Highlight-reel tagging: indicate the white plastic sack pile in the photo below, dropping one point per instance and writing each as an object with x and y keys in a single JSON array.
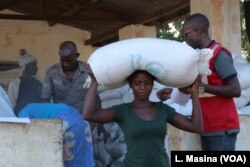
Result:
[
  {"x": 244, "y": 98},
  {"x": 243, "y": 75},
  {"x": 242, "y": 67},
  {"x": 174, "y": 64},
  {"x": 5, "y": 105}
]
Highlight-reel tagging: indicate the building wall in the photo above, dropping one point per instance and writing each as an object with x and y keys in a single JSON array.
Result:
[
  {"x": 39, "y": 39},
  {"x": 38, "y": 143},
  {"x": 224, "y": 17},
  {"x": 181, "y": 140},
  {"x": 137, "y": 31}
]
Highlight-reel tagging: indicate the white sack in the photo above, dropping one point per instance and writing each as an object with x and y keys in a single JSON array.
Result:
[
  {"x": 243, "y": 75},
  {"x": 244, "y": 110},
  {"x": 114, "y": 93},
  {"x": 110, "y": 95},
  {"x": 238, "y": 59},
  {"x": 101, "y": 154},
  {"x": 244, "y": 98},
  {"x": 128, "y": 97},
  {"x": 174, "y": 64},
  {"x": 110, "y": 103},
  {"x": 187, "y": 109},
  {"x": 184, "y": 110},
  {"x": 5, "y": 105}
]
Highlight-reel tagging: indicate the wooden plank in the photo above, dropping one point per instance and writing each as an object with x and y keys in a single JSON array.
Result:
[
  {"x": 143, "y": 20},
  {"x": 59, "y": 18},
  {"x": 103, "y": 36},
  {"x": 71, "y": 11},
  {"x": 43, "y": 8},
  {"x": 38, "y": 143},
  {"x": 8, "y": 4},
  {"x": 8, "y": 65}
]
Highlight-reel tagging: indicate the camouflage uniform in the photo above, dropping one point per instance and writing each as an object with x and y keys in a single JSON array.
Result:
[{"x": 57, "y": 85}]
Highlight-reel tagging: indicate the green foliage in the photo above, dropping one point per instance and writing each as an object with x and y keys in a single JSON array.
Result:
[
  {"x": 245, "y": 42},
  {"x": 173, "y": 31}
]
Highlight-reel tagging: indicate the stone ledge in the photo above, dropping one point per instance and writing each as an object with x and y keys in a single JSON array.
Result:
[{"x": 27, "y": 145}]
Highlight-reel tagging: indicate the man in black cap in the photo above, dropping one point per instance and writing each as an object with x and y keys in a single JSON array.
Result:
[{"x": 26, "y": 88}]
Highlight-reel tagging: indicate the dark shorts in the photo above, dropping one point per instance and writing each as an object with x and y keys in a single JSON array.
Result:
[{"x": 223, "y": 142}]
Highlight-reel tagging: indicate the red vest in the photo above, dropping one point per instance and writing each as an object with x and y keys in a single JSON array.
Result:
[{"x": 219, "y": 113}]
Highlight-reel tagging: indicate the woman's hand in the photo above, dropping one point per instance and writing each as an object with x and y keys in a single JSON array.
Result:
[
  {"x": 193, "y": 124},
  {"x": 193, "y": 88},
  {"x": 164, "y": 94}
]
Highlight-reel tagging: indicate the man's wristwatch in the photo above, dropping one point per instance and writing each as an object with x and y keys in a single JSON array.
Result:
[{"x": 201, "y": 89}]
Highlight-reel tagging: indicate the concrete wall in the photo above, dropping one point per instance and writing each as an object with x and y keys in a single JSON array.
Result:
[
  {"x": 137, "y": 31},
  {"x": 38, "y": 144},
  {"x": 224, "y": 17},
  {"x": 181, "y": 140},
  {"x": 39, "y": 39}
]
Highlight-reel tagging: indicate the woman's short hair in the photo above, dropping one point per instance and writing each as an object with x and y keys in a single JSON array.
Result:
[{"x": 135, "y": 73}]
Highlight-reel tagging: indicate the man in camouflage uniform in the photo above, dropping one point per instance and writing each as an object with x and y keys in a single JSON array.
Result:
[{"x": 65, "y": 82}]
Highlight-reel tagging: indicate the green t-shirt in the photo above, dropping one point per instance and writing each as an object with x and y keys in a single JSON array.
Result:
[{"x": 145, "y": 139}]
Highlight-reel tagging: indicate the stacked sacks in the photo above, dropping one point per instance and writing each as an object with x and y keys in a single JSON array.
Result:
[
  {"x": 244, "y": 99},
  {"x": 5, "y": 105},
  {"x": 110, "y": 147},
  {"x": 167, "y": 60},
  {"x": 243, "y": 68}
]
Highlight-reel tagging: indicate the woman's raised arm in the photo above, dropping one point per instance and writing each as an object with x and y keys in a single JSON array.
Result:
[
  {"x": 90, "y": 110},
  {"x": 193, "y": 124}
]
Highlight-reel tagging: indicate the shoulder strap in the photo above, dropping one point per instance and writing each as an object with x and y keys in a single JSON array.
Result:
[{"x": 217, "y": 47}]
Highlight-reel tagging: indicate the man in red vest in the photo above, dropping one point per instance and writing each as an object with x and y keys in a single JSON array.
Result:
[{"x": 220, "y": 118}]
